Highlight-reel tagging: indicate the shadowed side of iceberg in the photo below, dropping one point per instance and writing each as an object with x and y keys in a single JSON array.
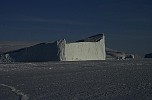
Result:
[{"x": 37, "y": 53}]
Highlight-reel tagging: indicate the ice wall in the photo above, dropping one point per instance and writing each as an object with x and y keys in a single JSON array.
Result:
[
  {"x": 37, "y": 53},
  {"x": 85, "y": 51}
]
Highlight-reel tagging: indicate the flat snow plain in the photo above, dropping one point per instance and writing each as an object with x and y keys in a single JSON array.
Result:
[{"x": 87, "y": 80}]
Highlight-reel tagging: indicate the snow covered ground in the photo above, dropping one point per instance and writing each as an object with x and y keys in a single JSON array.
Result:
[{"x": 89, "y": 80}]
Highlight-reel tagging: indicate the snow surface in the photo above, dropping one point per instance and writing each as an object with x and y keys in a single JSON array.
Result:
[
  {"x": 89, "y": 80},
  {"x": 21, "y": 95}
]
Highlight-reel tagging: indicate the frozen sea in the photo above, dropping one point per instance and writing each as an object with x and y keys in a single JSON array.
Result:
[{"x": 84, "y": 80}]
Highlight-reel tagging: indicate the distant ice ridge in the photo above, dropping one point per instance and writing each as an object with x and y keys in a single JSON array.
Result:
[
  {"x": 119, "y": 55},
  {"x": 91, "y": 48},
  {"x": 148, "y": 55}
]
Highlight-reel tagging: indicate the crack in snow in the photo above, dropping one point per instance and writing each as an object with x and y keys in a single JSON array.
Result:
[{"x": 21, "y": 95}]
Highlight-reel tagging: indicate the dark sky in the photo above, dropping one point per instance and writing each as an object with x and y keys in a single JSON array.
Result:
[{"x": 127, "y": 24}]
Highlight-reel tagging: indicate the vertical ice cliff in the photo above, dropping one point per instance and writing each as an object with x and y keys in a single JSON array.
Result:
[
  {"x": 61, "y": 49},
  {"x": 85, "y": 51}
]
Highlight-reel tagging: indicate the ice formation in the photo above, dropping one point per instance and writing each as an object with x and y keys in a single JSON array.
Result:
[{"x": 91, "y": 48}]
